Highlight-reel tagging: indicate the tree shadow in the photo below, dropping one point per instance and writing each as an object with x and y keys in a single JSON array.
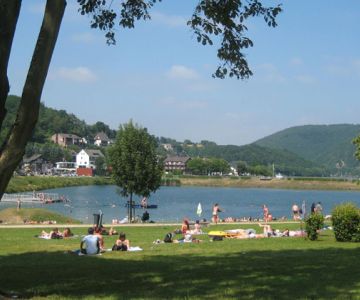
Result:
[{"x": 287, "y": 274}]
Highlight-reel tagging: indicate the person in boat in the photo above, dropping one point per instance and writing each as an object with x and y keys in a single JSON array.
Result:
[{"x": 143, "y": 202}]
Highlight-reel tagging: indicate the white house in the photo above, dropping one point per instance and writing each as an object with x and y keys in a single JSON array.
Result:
[
  {"x": 86, "y": 158},
  {"x": 101, "y": 139}
]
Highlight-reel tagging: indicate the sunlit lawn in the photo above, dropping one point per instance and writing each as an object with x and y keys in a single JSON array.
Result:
[{"x": 281, "y": 268}]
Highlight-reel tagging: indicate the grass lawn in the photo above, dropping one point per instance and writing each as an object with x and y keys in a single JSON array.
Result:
[{"x": 281, "y": 268}]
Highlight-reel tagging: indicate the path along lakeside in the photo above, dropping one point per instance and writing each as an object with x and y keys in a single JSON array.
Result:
[{"x": 2, "y": 226}]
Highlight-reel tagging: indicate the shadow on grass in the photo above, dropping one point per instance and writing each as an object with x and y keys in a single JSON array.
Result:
[{"x": 288, "y": 274}]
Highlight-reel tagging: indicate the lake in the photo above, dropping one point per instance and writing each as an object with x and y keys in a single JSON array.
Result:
[{"x": 175, "y": 203}]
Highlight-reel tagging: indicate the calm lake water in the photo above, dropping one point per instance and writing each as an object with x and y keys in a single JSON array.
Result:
[{"x": 175, "y": 203}]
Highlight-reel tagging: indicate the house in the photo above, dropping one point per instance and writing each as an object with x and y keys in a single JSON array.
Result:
[
  {"x": 65, "y": 139},
  {"x": 86, "y": 158},
  {"x": 167, "y": 147},
  {"x": 172, "y": 163},
  {"x": 35, "y": 164},
  {"x": 101, "y": 139}
]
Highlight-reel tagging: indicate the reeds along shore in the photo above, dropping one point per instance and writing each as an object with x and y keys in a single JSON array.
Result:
[{"x": 254, "y": 182}]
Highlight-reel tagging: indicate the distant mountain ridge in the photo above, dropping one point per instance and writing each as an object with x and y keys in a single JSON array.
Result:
[{"x": 328, "y": 145}]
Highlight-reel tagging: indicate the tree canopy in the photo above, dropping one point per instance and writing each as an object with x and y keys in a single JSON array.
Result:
[{"x": 134, "y": 163}]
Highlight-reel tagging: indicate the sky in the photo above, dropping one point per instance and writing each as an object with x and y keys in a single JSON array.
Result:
[{"x": 306, "y": 71}]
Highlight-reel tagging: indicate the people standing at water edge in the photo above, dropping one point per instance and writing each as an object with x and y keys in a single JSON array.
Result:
[
  {"x": 318, "y": 208},
  {"x": 215, "y": 213},
  {"x": 313, "y": 207},
  {"x": 296, "y": 212},
  {"x": 266, "y": 213}
]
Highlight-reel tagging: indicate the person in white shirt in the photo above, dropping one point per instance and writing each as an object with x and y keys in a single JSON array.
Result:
[{"x": 90, "y": 244}]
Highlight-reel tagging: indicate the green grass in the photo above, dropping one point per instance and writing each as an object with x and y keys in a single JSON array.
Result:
[
  {"x": 281, "y": 268},
  {"x": 13, "y": 216}
]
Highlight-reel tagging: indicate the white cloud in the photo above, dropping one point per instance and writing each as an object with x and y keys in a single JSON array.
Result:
[
  {"x": 182, "y": 72},
  {"x": 270, "y": 73},
  {"x": 296, "y": 61},
  {"x": 79, "y": 74},
  {"x": 183, "y": 104},
  {"x": 171, "y": 21},
  {"x": 307, "y": 79},
  {"x": 85, "y": 37}
]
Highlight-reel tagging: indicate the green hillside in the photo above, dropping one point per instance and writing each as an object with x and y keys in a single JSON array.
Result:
[
  {"x": 53, "y": 121},
  {"x": 325, "y": 144},
  {"x": 284, "y": 161}
]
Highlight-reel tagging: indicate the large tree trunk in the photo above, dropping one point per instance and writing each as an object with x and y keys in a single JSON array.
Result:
[
  {"x": 13, "y": 149},
  {"x": 9, "y": 12}
]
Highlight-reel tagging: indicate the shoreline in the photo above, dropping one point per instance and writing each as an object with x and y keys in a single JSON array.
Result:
[{"x": 25, "y": 184}]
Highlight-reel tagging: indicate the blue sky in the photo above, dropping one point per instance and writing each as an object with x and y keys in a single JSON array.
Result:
[{"x": 306, "y": 71}]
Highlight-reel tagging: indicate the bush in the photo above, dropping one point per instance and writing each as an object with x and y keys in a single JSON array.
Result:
[
  {"x": 346, "y": 222},
  {"x": 313, "y": 223}
]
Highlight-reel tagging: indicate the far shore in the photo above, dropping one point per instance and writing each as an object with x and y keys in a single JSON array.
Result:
[
  {"x": 274, "y": 183},
  {"x": 31, "y": 183}
]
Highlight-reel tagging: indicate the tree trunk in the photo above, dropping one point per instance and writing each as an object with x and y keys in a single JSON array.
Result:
[
  {"x": 13, "y": 148},
  {"x": 9, "y": 12}
]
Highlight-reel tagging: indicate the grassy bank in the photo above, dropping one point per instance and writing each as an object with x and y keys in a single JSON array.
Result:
[
  {"x": 33, "y": 215},
  {"x": 253, "y": 182},
  {"x": 274, "y": 268},
  {"x": 31, "y": 183}
]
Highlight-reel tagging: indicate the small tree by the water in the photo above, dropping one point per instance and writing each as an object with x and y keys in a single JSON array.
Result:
[{"x": 135, "y": 165}]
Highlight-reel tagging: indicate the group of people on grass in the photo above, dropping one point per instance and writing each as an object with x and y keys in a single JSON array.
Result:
[{"x": 93, "y": 243}]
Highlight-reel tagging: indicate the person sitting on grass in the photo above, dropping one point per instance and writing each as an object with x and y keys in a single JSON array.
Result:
[
  {"x": 98, "y": 232},
  {"x": 90, "y": 244},
  {"x": 185, "y": 227},
  {"x": 121, "y": 244}
]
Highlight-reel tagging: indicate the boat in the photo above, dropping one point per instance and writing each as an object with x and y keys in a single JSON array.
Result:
[{"x": 149, "y": 206}]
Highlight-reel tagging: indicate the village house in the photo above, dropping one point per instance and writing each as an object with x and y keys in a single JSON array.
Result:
[
  {"x": 167, "y": 147},
  {"x": 65, "y": 139},
  {"x": 172, "y": 163},
  {"x": 101, "y": 139},
  {"x": 86, "y": 158},
  {"x": 35, "y": 165}
]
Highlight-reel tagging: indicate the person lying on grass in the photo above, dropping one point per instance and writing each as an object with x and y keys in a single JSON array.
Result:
[{"x": 53, "y": 234}]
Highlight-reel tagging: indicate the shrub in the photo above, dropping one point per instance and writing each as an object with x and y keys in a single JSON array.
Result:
[
  {"x": 346, "y": 222},
  {"x": 313, "y": 223}
]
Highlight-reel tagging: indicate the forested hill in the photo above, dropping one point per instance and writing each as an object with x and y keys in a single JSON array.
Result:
[
  {"x": 328, "y": 145},
  {"x": 255, "y": 155},
  {"x": 53, "y": 121}
]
